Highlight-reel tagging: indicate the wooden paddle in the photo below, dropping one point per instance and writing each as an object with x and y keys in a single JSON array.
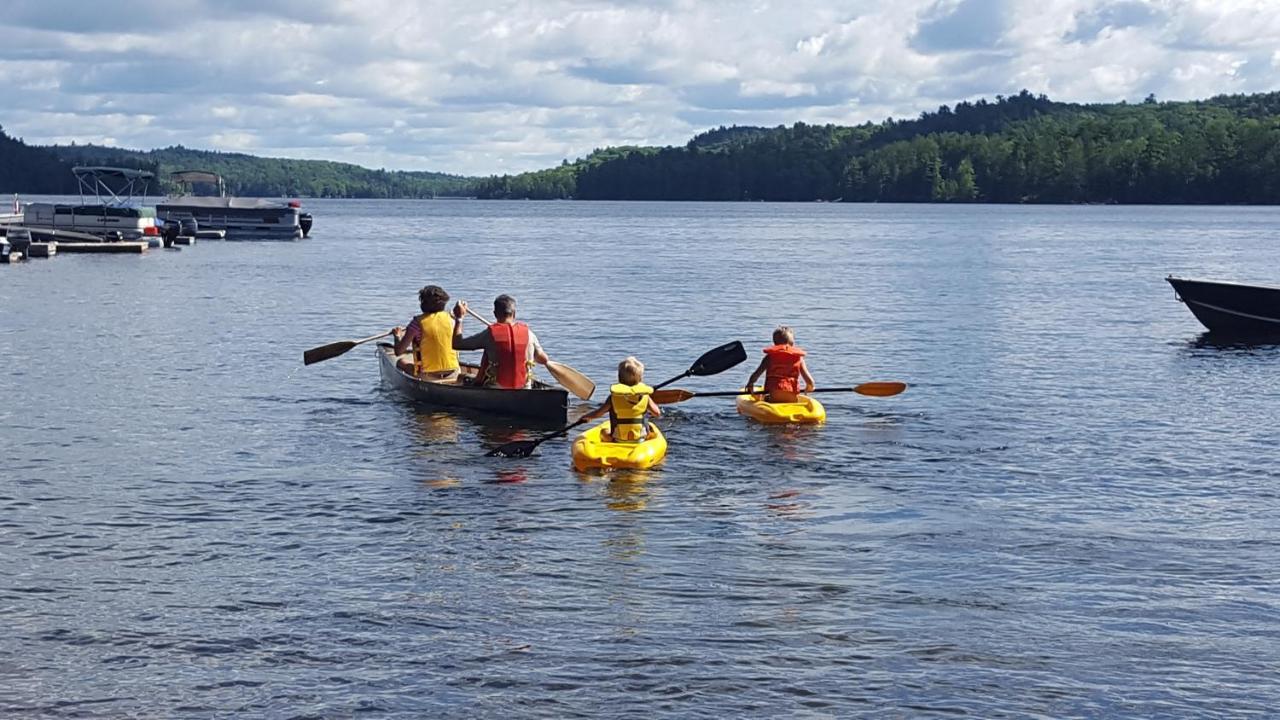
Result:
[
  {"x": 333, "y": 350},
  {"x": 712, "y": 362},
  {"x": 574, "y": 381},
  {"x": 874, "y": 389}
]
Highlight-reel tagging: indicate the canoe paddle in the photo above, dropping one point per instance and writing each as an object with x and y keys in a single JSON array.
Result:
[
  {"x": 333, "y": 350},
  {"x": 712, "y": 362},
  {"x": 874, "y": 389},
  {"x": 571, "y": 379}
]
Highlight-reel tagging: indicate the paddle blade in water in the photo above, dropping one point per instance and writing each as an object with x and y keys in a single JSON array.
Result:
[
  {"x": 880, "y": 389},
  {"x": 574, "y": 381},
  {"x": 326, "y": 352},
  {"x": 720, "y": 359},
  {"x": 517, "y": 449},
  {"x": 666, "y": 397}
]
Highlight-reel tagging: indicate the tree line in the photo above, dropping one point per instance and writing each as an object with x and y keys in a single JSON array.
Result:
[
  {"x": 33, "y": 169},
  {"x": 1019, "y": 149}
]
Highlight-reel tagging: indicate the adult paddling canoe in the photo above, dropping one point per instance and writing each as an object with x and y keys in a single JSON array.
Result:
[
  {"x": 1231, "y": 308},
  {"x": 542, "y": 402}
]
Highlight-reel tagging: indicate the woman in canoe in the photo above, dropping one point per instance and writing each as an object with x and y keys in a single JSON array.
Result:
[
  {"x": 430, "y": 337},
  {"x": 510, "y": 347}
]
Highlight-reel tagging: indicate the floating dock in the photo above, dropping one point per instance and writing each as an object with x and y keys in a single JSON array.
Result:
[
  {"x": 103, "y": 247},
  {"x": 42, "y": 249}
]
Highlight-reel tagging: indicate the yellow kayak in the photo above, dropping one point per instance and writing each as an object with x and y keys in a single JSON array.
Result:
[
  {"x": 590, "y": 451},
  {"x": 806, "y": 410}
]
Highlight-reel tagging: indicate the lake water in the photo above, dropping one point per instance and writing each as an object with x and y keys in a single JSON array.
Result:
[{"x": 1073, "y": 511}]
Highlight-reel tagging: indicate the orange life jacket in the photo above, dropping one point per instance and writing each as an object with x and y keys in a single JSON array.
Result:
[
  {"x": 783, "y": 371},
  {"x": 508, "y": 369}
]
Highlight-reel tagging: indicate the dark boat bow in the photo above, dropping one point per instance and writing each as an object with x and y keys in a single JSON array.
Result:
[{"x": 1231, "y": 308}]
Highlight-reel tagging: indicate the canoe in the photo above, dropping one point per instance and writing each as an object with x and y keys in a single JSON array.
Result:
[
  {"x": 542, "y": 402},
  {"x": 591, "y": 451},
  {"x": 807, "y": 410},
  {"x": 1230, "y": 308}
]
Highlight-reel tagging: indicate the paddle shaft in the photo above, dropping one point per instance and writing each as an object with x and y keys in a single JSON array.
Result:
[
  {"x": 333, "y": 350},
  {"x": 872, "y": 389}
]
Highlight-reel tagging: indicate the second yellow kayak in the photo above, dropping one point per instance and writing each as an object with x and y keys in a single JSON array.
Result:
[
  {"x": 591, "y": 451},
  {"x": 806, "y": 410}
]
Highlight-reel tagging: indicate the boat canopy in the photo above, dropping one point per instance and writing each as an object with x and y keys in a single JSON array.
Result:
[
  {"x": 187, "y": 178},
  {"x": 113, "y": 172},
  {"x": 127, "y": 182},
  {"x": 196, "y": 176}
]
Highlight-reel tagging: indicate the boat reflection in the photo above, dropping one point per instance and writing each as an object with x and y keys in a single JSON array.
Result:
[
  {"x": 623, "y": 490},
  {"x": 791, "y": 442},
  {"x": 437, "y": 427},
  {"x": 1255, "y": 343},
  {"x": 509, "y": 475}
]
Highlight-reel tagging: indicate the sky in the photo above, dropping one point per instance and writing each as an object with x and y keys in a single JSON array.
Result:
[{"x": 487, "y": 87}]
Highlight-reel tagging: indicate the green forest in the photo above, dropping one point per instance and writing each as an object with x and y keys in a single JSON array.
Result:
[
  {"x": 1020, "y": 149},
  {"x": 30, "y": 169}
]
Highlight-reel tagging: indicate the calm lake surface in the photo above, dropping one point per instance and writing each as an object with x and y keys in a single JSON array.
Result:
[{"x": 1073, "y": 511}]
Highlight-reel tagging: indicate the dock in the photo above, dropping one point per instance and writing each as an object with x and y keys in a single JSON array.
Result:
[{"x": 136, "y": 248}]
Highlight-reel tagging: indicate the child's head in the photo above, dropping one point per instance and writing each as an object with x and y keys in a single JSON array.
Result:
[
  {"x": 784, "y": 336},
  {"x": 432, "y": 299},
  {"x": 630, "y": 371}
]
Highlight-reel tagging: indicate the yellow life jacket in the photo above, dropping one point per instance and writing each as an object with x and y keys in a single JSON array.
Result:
[
  {"x": 627, "y": 404},
  {"x": 435, "y": 351}
]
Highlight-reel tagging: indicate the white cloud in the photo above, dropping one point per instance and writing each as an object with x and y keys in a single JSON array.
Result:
[{"x": 507, "y": 85}]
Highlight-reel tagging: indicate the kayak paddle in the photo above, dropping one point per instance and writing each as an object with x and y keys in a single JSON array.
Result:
[
  {"x": 577, "y": 383},
  {"x": 333, "y": 350},
  {"x": 874, "y": 389},
  {"x": 712, "y": 362}
]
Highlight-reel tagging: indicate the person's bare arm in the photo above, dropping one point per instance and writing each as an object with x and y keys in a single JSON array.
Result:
[
  {"x": 808, "y": 379},
  {"x": 653, "y": 408},
  {"x": 751, "y": 382},
  {"x": 602, "y": 410}
]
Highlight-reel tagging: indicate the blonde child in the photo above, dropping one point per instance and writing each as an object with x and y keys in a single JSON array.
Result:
[
  {"x": 782, "y": 367},
  {"x": 629, "y": 401}
]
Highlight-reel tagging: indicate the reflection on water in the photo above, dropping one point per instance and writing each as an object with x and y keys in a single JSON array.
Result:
[
  {"x": 1245, "y": 344},
  {"x": 504, "y": 475},
  {"x": 437, "y": 427},
  {"x": 623, "y": 490},
  {"x": 791, "y": 442}
]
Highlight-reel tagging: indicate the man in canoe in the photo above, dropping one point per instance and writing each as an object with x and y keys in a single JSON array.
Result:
[
  {"x": 430, "y": 337},
  {"x": 510, "y": 347}
]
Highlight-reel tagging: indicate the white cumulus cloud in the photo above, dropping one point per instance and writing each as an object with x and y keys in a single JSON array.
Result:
[{"x": 508, "y": 85}]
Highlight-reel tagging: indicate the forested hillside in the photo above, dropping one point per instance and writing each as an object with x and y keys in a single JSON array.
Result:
[
  {"x": 28, "y": 169},
  {"x": 250, "y": 176},
  {"x": 1019, "y": 149}
]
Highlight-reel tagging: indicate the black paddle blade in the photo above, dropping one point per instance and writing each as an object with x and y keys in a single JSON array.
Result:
[
  {"x": 517, "y": 449},
  {"x": 717, "y": 361},
  {"x": 326, "y": 352}
]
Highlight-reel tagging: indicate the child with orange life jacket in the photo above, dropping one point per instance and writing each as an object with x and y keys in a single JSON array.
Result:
[
  {"x": 629, "y": 401},
  {"x": 782, "y": 367}
]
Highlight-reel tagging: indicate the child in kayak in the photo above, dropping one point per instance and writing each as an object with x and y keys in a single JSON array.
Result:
[
  {"x": 629, "y": 401},
  {"x": 782, "y": 367}
]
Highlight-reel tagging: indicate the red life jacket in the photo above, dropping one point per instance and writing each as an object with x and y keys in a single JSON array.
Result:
[
  {"x": 508, "y": 370},
  {"x": 783, "y": 371}
]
